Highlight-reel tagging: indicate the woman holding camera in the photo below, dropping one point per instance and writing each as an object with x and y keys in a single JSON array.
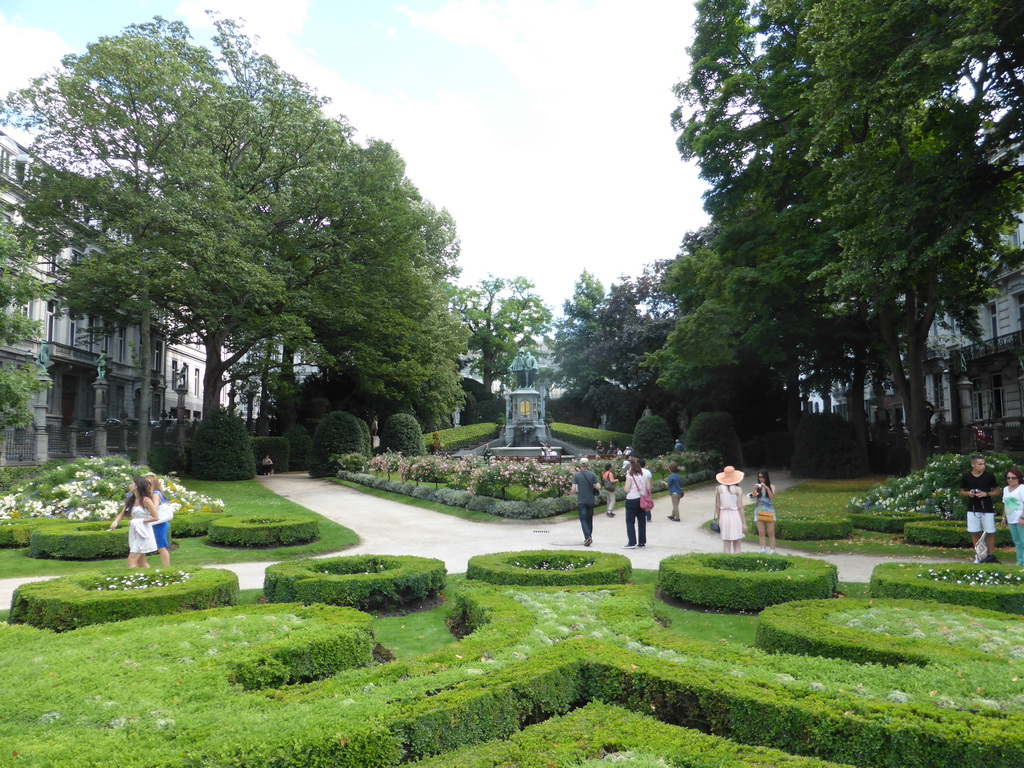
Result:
[{"x": 764, "y": 511}]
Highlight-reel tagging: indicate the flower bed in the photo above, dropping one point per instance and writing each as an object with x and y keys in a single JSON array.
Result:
[
  {"x": 934, "y": 490},
  {"x": 745, "y": 582},
  {"x": 891, "y": 632},
  {"x": 77, "y": 601},
  {"x": 367, "y": 582},
  {"x": 92, "y": 489},
  {"x": 259, "y": 531},
  {"x": 991, "y": 587},
  {"x": 549, "y": 568}
]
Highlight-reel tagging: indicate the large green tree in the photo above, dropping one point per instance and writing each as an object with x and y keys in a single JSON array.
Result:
[
  {"x": 19, "y": 285},
  {"x": 502, "y": 316},
  {"x": 577, "y": 339}
]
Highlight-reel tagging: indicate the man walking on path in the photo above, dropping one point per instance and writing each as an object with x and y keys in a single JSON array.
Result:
[
  {"x": 979, "y": 487},
  {"x": 585, "y": 485}
]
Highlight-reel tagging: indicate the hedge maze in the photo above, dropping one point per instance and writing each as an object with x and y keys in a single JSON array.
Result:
[{"x": 546, "y": 676}]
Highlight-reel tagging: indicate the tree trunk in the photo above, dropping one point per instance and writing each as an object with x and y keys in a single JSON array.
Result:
[
  {"x": 213, "y": 377},
  {"x": 793, "y": 399},
  {"x": 858, "y": 416},
  {"x": 286, "y": 415}
]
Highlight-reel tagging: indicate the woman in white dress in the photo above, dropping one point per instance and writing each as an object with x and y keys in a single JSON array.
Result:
[
  {"x": 727, "y": 509},
  {"x": 1013, "y": 507},
  {"x": 143, "y": 509}
]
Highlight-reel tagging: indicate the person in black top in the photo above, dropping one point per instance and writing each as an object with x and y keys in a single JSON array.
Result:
[
  {"x": 979, "y": 487},
  {"x": 585, "y": 485}
]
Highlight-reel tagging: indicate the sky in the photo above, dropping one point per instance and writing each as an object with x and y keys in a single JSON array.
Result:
[{"x": 542, "y": 126}]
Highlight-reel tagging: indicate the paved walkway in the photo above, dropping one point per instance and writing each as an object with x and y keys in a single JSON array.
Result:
[{"x": 391, "y": 528}]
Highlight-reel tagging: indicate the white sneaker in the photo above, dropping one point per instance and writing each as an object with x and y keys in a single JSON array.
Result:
[
  {"x": 764, "y": 550},
  {"x": 773, "y": 552}
]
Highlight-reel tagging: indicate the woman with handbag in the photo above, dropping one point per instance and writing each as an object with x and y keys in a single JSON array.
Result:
[
  {"x": 727, "y": 509},
  {"x": 637, "y": 487},
  {"x": 764, "y": 512},
  {"x": 610, "y": 485}
]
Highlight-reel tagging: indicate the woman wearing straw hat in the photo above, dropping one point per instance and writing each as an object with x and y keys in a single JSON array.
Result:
[{"x": 727, "y": 509}]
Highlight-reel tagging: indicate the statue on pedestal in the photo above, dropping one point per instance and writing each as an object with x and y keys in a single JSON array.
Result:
[
  {"x": 101, "y": 366},
  {"x": 525, "y": 367}
]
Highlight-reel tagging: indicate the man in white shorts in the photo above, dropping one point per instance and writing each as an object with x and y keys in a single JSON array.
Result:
[{"x": 979, "y": 487}]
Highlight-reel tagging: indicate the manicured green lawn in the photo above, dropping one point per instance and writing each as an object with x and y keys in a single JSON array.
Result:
[{"x": 240, "y": 497}]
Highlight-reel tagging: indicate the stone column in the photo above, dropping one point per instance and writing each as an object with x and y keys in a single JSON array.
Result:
[
  {"x": 99, "y": 415},
  {"x": 3, "y": 446},
  {"x": 42, "y": 439}
]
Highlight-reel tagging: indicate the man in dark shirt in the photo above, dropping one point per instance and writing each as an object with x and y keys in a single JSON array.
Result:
[
  {"x": 585, "y": 485},
  {"x": 979, "y": 487}
]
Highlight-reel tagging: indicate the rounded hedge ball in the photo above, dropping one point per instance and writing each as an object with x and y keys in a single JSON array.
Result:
[
  {"x": 990, "y": 586},
  {"x": 550, "y": 568},
  {"x": 745, "y": 582},
  {"x": 367, "y": 582},
  {"x": 264, "y": 531},
  {"x": 70, "y": 602}
]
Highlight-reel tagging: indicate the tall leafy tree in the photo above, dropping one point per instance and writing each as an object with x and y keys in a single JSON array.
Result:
[
  {"x": 918, "y": 116},
  {"x": 502, "y": 316},
  {"x": 18, "y": 286},
  {"x": 577, "y": 342}
]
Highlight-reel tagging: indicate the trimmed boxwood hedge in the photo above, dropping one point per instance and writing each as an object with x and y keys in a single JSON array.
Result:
[
  {"x": 910, "y": 581},
  {"x": 17, "y": 533},
  {"x": 262, "y": 531},
  {"x": 811, "y": 529},
  {"x": 745, "y": 582},
  {"x": 193, "y": 525},
  {"x": 587, "y": 437},
  {"x": 78, "y": 541},
  {"x": 947, "y": 533},
  {"x": 77, "y": 601},
  {"x": 596, "y": 729},
  {"x": 550, "y": 568},
  {"x": 806, "y": 628},
  {"x": 883, "y": 524},
  {"x": 367, "y": 582}
]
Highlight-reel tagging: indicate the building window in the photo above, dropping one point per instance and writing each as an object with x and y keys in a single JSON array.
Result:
[
  {"x": 197, "y": 381},
  {"x": 997, "y": 395},
  {"x": 72, "y": 330},
  {"x": 158, "y": 354},
  {"x": 993, "y": 321},
  {"x": 122, "y": 344},
  {"x": 51, "y": 320},
  {"x": 939, "y": 394},
  {"x": 978, "y": 399}
]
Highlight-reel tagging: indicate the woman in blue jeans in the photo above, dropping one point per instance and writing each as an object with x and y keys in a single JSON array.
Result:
[{"x": 636, "y": 519}]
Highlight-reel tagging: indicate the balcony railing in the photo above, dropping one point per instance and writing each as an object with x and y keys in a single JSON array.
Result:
[{"x": 999, "y": 344}]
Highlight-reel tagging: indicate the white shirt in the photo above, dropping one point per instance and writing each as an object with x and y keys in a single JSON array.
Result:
[{"x": 1013, "y": 504}]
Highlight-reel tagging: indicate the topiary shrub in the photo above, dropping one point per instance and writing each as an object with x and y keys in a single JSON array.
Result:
[
  {"x": 261, "y": 531},
  {"x": 746, "y": 582},
  {"x": 549, "y": 568},
  {"x": 277, "y": 448},
  {"x": 992, "y": 587},
  {"x": 222, "y": 449},
  {"x": 78, "y": 541},
  {"x": 651, "y": 437},
  {"x": 714, "y": 431},
  {"x": 402, "y": 434},
  {"x": 166, "y": 459},
  {"x": 946, "y": 533},
  {"x": 367, "y": 582},
  {"x": 824, "y": 447},
  {"x": 338, "y": 433},
  {"x": 77, "y": 601},
  {"x": 300, "y": 447}
]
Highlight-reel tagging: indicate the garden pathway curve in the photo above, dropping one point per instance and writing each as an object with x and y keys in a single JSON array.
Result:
[{"x": 392, "y": 528}]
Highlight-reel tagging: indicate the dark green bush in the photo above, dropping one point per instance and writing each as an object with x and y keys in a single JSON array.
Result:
[
  {"x": 714, "y": 431},
  {"x": 954, "y": 583},
  {"x": 300, "y": 446},
  {"x": 466, "y": 436},
  {"x": 164, "y": 459},
  {"x": 14, "y": 476},
  {"x": 549, "y": 568},
  {"x": 587, "y": 437},
  {"x": 402, "y": 434},
  {"x": 17, "y": 533},
  {"x": 222, "y": 449},
  {"x": 946, "y": 533},
  {"x": 882, "y": 523},
  {"x": 260, "y": 531},
  {"x": 366, "y": 582},
  {"x": 277, "y": 448},
  {"x": 745, "y": 582},
  {"x": 809, "y": 628},
  {"x": 338, "y": 433},
  {"x": 78, "y": 541},
  {"x": 193, "y": 525},
  {"x": 824, "y": 447},
  {"x": 651, "y": 437},
  {"x": 77, "y": 601}
]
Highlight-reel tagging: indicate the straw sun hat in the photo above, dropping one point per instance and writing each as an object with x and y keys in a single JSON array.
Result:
[{"x": 729, "y": 476}]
